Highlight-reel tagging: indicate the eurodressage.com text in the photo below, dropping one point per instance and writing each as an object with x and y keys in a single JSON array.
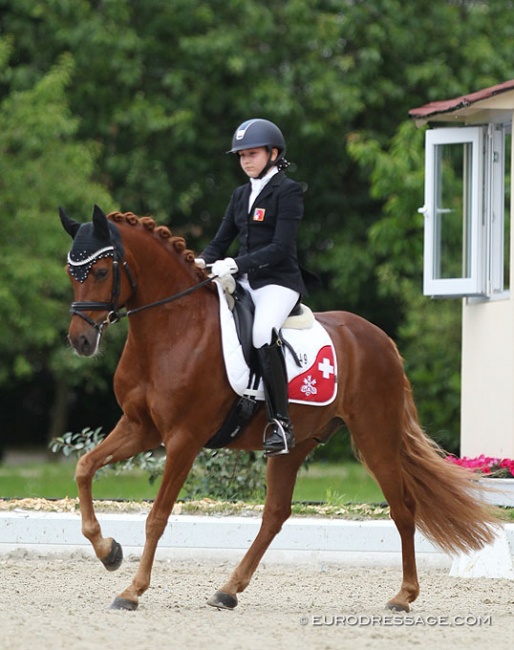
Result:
[{"x": 392, "y": 620}]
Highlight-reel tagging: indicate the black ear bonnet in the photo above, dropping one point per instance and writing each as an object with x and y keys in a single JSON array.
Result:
[{"x": 91, "y": 244}]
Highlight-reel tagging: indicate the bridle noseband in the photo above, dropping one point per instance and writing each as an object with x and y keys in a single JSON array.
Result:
[{"x": 112, "y": 307}]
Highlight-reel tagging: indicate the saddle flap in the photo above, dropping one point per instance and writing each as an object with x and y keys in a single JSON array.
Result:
[
  {"x": 313, "y": 382},
  {"x": 243, "y": 311}
]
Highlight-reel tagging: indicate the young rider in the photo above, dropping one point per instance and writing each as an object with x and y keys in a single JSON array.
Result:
[{"x": 264, "y": 215}]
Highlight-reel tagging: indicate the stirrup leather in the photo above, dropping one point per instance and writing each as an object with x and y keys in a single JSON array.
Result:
[{"x": 278, "y": 428}]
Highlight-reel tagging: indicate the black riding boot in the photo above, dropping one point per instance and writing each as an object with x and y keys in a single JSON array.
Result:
[{"x": 278, "y": 434}]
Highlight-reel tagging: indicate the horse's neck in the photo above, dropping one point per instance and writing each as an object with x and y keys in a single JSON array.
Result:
[
  {"x": 157, "y": 271},
  {"x": 160, "y": 272}
]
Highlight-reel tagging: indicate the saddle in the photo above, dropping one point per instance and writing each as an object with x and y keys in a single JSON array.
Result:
[
  {"x": 243, "y": 311},
  {"x": 241, "y": 304}
]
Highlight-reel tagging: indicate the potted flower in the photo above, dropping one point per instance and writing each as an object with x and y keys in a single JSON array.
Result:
[{"x": 496, "y": 473}]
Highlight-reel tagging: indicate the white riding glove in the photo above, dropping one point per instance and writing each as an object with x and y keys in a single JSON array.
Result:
[
  {"x": 221, "y": 268},
  {"x": 200, "y": 262}
]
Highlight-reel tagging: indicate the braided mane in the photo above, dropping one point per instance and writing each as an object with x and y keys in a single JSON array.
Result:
[{"x": 162, "y": 233}]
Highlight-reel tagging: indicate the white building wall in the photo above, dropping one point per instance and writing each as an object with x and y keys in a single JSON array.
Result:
[
  {"x": 487, "y": 405},
  {"x": 487, "y": 394}
]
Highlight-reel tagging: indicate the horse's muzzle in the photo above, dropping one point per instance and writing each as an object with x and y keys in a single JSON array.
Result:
[{"x": 85, "y": 343}]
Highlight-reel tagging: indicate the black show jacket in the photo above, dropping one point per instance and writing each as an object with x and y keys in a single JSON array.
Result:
[{"x": 267, "y": 233}]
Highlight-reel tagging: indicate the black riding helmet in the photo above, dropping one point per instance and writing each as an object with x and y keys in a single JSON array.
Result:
[{"x": 260, "y": 133}]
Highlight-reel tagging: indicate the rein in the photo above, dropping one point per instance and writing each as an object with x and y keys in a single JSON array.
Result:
[
  {"x": 114, "y": 314},
  {"x": 164, "y": 301}
]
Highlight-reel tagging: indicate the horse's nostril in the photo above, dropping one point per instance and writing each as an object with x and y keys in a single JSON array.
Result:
[{"x": 84, "y": 345}]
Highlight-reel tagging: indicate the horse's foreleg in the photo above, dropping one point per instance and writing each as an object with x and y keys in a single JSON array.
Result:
[
  {"x": 179, "y": 459},
  {"x": 281, "y": 478},
  {"x": 125, "y": 440}
]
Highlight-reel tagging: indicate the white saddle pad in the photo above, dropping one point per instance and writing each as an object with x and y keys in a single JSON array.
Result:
[{"x": 315, "y": 382}]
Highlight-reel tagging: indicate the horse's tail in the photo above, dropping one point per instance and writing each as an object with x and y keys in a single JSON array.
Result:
[{"x": 450, "y": 510}]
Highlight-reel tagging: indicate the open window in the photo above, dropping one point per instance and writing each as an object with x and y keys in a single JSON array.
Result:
[{"x": 465, "y": 211}]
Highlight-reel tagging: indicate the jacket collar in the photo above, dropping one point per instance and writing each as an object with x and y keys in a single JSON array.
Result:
[{"x": 275, "y": 180}]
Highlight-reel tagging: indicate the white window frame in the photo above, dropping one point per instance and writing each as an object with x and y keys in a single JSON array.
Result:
[
  {"x": 486, "y": 184},
  {"x": 473, "y": 285},
  {"x": 494, "y": 208}
]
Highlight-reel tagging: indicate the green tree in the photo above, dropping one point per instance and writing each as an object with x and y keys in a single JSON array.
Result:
[
  {"x": 163, "y": 85},
  {"x": 429, "y": 336},
  {"x": 42, "y": 165},
  {"x": 155, "y": 89}
]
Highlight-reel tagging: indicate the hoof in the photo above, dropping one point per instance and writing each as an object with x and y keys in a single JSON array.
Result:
[
  {"x": 115, "y": 558},
  {"x": 123, "y": 603},
  {"x": 397, "y": 607},
  {"x": 222, "y": 600}
]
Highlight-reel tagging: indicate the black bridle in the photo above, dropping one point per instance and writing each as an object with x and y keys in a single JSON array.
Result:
[{"x": 114, "y": 314}]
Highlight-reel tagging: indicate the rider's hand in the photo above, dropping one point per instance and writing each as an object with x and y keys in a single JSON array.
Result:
[
  {"x": 220, "y": 268},
  {"x": 200, "y": 262}
]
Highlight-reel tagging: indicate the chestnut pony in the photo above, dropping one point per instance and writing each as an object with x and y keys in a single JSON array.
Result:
[{"x": 172, "y": 387}]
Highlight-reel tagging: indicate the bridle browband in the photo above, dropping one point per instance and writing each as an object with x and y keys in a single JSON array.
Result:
[{"x": 113, "y": 309}]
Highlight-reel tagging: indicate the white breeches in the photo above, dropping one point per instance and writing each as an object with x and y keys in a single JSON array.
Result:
[{"x": 273, "y": 304}]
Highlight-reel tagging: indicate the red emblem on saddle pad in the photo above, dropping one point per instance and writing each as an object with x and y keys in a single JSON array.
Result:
[{"x": 318, "y": 383}]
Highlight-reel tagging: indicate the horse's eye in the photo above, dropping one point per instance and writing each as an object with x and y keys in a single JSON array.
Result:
[{"x": 101, "y": 274}]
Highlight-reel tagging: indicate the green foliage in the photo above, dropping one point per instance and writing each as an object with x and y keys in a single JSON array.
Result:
[
  {"x": 75, "y": 445},
  {"x": 221, "y": 474},
  {"x": 38, "y": 151},
  {"x": 434, "y": 325},
  {"x": 429, "y": 334},
  {"x": 132, "y": 105},
  {"x": 227, "y": 474}
]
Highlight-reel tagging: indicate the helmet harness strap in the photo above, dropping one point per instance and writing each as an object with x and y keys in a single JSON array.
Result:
[{"x": 280, "y": 162}]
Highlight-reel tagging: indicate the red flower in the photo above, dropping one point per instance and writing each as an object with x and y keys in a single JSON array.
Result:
[{"x": 503, "y": 467}]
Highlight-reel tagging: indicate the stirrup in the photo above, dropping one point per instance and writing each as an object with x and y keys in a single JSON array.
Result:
[{"x": 278, "y": 428}]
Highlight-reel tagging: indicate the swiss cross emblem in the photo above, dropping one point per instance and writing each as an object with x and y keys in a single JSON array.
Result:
[
  {"x": 258, "y": 214},
  {"x": 326, "y": 367},
  {"x": 318, "y": 383}
]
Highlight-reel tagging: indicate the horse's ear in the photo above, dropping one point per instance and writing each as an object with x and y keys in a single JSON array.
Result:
[
  {"x": 101, "y": 225},
  {"x": 69, "y": 224}
]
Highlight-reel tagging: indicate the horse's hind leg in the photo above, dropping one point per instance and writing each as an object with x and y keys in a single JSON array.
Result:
[
  {"x": 383, "y": 460},
  {"x": 281, "y": 478},
  {"x": 402, "y": 509},
  {"x": 125, "y": 440}
]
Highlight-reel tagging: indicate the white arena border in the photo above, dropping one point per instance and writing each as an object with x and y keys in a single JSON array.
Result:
[{"x": 303, "y": 540}]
